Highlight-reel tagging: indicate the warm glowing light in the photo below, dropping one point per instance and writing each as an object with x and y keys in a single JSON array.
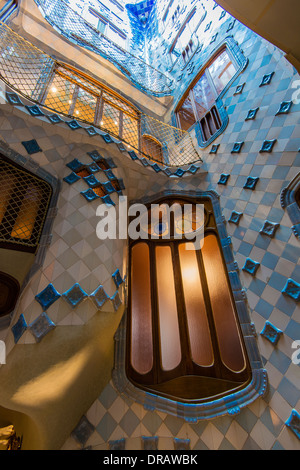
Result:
[{"x": 54, "y": 89}]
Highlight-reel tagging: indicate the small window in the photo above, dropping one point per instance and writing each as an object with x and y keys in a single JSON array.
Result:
[
  {"x": 199, "y": 104},
  {"x": 184, "y": 341},
  {"x": 152, "y": 148}
]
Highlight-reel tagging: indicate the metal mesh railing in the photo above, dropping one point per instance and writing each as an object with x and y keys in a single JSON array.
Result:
[
  {"x": 75, "y": 28},
  {"x": 71, "y": 93},
  {"x": 24, "y": 201}
]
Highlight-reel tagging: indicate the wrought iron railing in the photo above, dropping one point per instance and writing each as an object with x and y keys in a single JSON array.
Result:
[
  {"x": 75, "y": 28},
  {"x": 67, "y": 91}
]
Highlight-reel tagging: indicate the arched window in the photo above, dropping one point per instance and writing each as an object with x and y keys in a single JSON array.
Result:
[
  {"x": 184, "y": 341},
  {"x": 152, "y": 147}
]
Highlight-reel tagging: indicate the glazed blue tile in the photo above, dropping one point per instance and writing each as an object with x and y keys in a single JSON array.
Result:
[
  {"x": 293, "y": 423},
  {"x": 95, "y": 155},
  {"x": 75, "y": 295},
  {"x": 144, "y": 161},
  {"x": 284, "y": 107},
  {"x": 71, "y": 178},
  {"x": 89, "y": 195},
  {"x": 133, "y": 155},
  {"x": 223, "y": 179},
  {"x": 75, "y": 165},
  {"x": 121, "y": 147},
  {"x": 121, "y": 183},
  {"x": 193, "y": 169},
  {"x": 251, "y": 182},
  {"x": 107, "y": 138},
  {"x": 251, "y": 114},
  {"x": 118, "y": 444},
  {"x": 237, "y": 147},
  {"x": 99, "y": 296},
  {"x": 235, "y": 217},
  {"x": 107, "y": 200},
  {"x": 179, "y": 172},
  {"x": 116, "y": 301},
  {"x": 239, "y": 89},
  {"x": 292, "y": 289},
  {"x": 47, "y": 297},
  {"x": 271, "y": 333},
  {"x": 83, "y": 431},
  {"x": 73, "y": 125},
  {"x": 54, "y": 118},
  {"x": 13, "y": 99},
  {"x": 181, "y": 444},
  {"x": 91, "y": 131},
  {"x": 214, "y": 38},
  {"x": 214, "y": 148},
  {"x": 267, "y": 146},
  {"x": 108, "y": 187},
  {"x": 150, "y": 443},
  {"x": 269, "y": 228},
  {"x": 41, "y": 326},
  {"x": 91, "y": 180},
  {"x": 109, "y": 174},
  {"x": 266, "y": 80},
  {"x": 207, "y": 27},
  {"x": 110, "y": 162},
  {"x": 117, "y": 278},
  {"x": 251, "y": 266},
  {"x": 19, "y": 328},
  {"x": 231, "y": 26},
  {"x": 34, "y": 110},
  {"x": 32, "y": 146},
  {"x": 93, "y": 168}
]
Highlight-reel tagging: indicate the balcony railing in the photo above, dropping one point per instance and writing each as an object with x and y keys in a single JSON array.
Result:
[
  {"x": 68, "y": 92},
  {"x": 76, "y": 29}
]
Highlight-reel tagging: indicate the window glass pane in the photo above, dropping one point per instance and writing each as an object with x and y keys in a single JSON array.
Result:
[
  {"x": 167, "y": 309},
  {"x": 186, "y": 114},
  {"x": 110, "y": 119},
  {"x": 85, "y": 106},
  {"x": 60, "y": 95},
  {"x": 203, "y": 95},
  {"x": 222, "y": 70},
  {"x": 141, "y": 310}
]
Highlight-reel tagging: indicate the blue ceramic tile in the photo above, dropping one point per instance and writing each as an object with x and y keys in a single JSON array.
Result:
[
  {"x": 93, "y": 168},
  {"x": 133, "y": 155},
  {"x": 193, "y": 169},
  {"x": 144, "y": 161},
  {"x": 181, "y": 444},
  {"x": 293, "y": 423},
  {"x": 284, "y": 107},
  {"x": 117, "y": 278},
  {"x": 251, "y": 114},
  {"x": 75, "y": 165},
  {"x": 108, "y": 187},
  {"x": 150, "y": 443},
  {"x": 34, "y": 110},
  {"x": 235, "y": 217},
  {"x": 91, "y": 180},
  {"x": 116, "y": 301},
  {"x": 110, "y": 162},
  {"x": 71, "y": 178},
  {"x": 19, "y": 328},
  {"x": 267, "y": 146},
  {"x": 179, "y": 172},
  {"x": 107, "y": 200},
  {"x": 99, "y": 297},
  {"x": 54, "y": 118},
  {"x": 251, "y": 266},
  {"x": 251, "y": 182},
  {"x": 118, "y": 444},
  {"x": 83, "y": 431},
  {"x": 32, "y": 146},
  {"x": 239, "y": 89},
  {"x": 91, "y": 131},
  {"x": 47, "y": 297},
  {"x": 267, "y": 79},
  {"x": 269, "y": 228},
  {"x": 89, "y": 195},
  {"x": 95, "y": 155},
  {"x": 292, "y": 289},
  {"x": 109, "y": 174},
  {"x": 237, "y": 147},
  {"x": 271, "y": 333},
  {"x": 13, "y": 99},
  {"x": 223, "y": 179},
  {"x": 214, "y": 148},
  {"x": 75, "y": 295},
  {"x": 41, "y": 326},
  {"x": 107, "y": 138},
  {"x": 73, "y": 125}
]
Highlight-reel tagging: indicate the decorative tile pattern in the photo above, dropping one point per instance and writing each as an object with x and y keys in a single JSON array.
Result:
[
  {"x": 182, "y": 444},
  {"x": 237, "y": 147},
  {"x": 235, "y": 217},
  {"x": 271, "y": 333},
  {"x": 251, "y": 266},
  {"x": 251, "y": 114},
  {"x": 13, "y": 99},
  {"x": 223, "y": 179},
  {"x": 32, "y": 146},
  {"x": 117, "y": 278},
  {"x": 99, "y": 296},
  {"x": 75, "y": 165},
  {"x": 19, "y": 328},
  {"x": 89, "y": 195},
  {"x": 269, "y": 228},
  {"x": 47, "y": 297},
  {"x": 118, "y": 444},
  {"x": 116, "y": 301},
  {"x": 293, "y": 423},
  {"x": 267, "y": 79},
  {"x": 41, "y": 326},
  {"x": 83, "y": 431},
  {"x": 71, "y": 178},
  {"x": 251, "y": 182},
  {"x": 54, "y": 118},
  {"x": 34, "y": 110},
  {"x": 284, "y": 107},
  {"x": 239, "y": 89},
  {"x": 267, "y": 146},
  {"x": 292, "y": 289},
  {"x": 214, "y": 148},
  {"x": 150, "y": 443},
  {"x": 73, "y": 125},
  {"x": 75, "y": 295}
]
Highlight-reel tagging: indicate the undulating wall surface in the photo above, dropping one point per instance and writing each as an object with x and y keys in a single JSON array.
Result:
[{"x": 261, "y": 142}]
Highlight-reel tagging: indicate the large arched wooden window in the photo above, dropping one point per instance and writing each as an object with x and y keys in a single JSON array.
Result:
[
  {"x": 153, "y": 148},
  {"x": 184, "y": 341}
]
